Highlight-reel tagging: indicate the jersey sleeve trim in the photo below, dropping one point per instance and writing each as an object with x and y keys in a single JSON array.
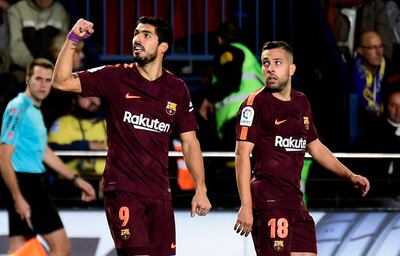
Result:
[
  {"x": 250, "y": 101},
  {"x": 13, "y": 117}
]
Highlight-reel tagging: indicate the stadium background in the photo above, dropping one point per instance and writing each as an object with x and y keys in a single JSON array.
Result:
[{"x": 346, "y": 227}]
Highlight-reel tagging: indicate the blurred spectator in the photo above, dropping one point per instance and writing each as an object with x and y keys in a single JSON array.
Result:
[
  {"x": 236, "y": 73},
  {"x": 338, "y": 22},
  {"x": 393, "y": 12},
  {"x": 370, "y": 72},
  {"x": 83, "y": 129},
  {"x": 8, "y": 83},
  {"x": 385, "y": 138},
  {"x": 33, "y": 25},
  {"x": 370, "y": 16},
  {"x": 4, "y": 33}
]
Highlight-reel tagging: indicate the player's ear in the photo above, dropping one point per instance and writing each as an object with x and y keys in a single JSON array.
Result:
[
  {"x": 163, "y": 47},
  {"x": 292, "y": 69}
]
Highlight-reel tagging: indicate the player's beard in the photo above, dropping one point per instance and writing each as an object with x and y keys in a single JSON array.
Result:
[
  {"x": 142, "y": 61},
  {"x": 281, "y": 86}
]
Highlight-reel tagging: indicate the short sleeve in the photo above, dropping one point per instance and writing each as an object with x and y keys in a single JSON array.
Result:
[
  {"x": 186, "y": 119},
  {"x": 309, "y": 122},
  {"x": 97, "y": 81},
  {"x": 11, "y": 122},
  {"x": 246, "y": 122}
]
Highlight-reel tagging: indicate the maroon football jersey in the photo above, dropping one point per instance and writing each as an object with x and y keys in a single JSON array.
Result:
[
  {"x": 280, "y": 131},
  {"x": 141, "y": 116}
]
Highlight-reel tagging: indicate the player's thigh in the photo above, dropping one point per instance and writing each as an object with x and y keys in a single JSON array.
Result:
[
  {"x": 303, "y": 230},
  {"x": 128, "y": 222},
  {"x": 272, "y": 234},
  {"x": 162, "y": 227}
]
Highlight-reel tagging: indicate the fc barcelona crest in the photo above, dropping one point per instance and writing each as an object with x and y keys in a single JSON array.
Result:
[
  {"x": 306, "y": 122},
  {"x": 125, "y": 233},
  {"x": 278, "y": 245},
  {"x": 171, "y": 108}
]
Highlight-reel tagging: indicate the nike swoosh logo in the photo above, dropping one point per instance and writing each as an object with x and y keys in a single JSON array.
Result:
[
  {"x": 173, "y": 246},
  {"x": 129, "y": 96},
  {"x": 279, "y": 122}
]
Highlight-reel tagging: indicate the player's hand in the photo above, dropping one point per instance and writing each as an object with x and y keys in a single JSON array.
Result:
[
  {"x": 88, "y": 192},
  {"x": 206, "y": 107},
  {"x": 244, "y": 222},
  {"x": 200, "y": 204},
  {"x": 361, "y": 183},
  {"x": 83, "y": 28},
  {"x": 23, "y": 209}
]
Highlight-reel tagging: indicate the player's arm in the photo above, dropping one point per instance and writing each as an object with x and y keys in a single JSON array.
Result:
[
  {"x": 326, "y": 159},
  {"x": 10, "y": 179},
  {"x": 55, "y": 163},
  {"x": 194, "y": 161},
  {"x": 63, "y": 78},
  {"x": 244, "y": 220}
]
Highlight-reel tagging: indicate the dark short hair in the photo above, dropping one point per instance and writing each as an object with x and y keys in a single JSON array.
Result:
[
  {"x": 163, "y": 29},
  {"x": 229, "y": 32},
  {"x": 389, "y": 90},
  {"x": 278, "y": 44},
  {"x": 41, "y": 62}
]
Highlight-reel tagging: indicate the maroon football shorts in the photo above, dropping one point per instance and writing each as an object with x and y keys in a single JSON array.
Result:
[
  {"x": 281, "y": 231},
  {"x": 140, "y": 225}
]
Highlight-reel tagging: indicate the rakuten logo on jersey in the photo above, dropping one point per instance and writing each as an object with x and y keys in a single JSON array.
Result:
[
  {"x": 290, "y": 144},
  {"x": 144, "y": 123}
]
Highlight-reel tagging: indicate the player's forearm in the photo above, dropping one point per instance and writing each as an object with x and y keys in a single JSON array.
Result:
[
  {"x": 326, "y": 159},
  {"x": 10, "y": 178},
  {"x": 196, "y": 168},
  {"x": 339, "y": 169},
  {"x": 63, "y": 69},
  {"x": 56, "y": 164},
  {"x": 243, "y": 176},
  {"x": 194, "y": 162}
]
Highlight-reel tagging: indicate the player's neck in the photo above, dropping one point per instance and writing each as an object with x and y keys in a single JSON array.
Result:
[
  {"x": 283, "y": 95},
  {"x": 150, "y": 71}
]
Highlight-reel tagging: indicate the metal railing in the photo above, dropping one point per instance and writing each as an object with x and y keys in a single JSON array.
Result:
[
  {"x": 226, "y": 154},
  {"x": 323, "y": 191}
]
